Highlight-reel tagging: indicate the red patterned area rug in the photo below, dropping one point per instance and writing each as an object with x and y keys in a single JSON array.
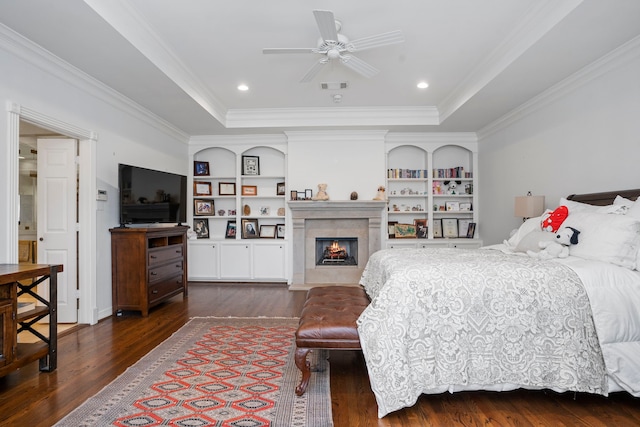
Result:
[{"x": 215, "y": 372}]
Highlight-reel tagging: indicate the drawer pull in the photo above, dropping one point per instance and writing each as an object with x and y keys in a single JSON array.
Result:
[
  {"x": 155, "y": 291},
  {"x": 153, "y": 273},
  {"x": 153, "y": 256}
]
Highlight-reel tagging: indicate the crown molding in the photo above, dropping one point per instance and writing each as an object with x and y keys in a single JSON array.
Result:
[
  {"x": 332, "y": 116},
  {"x": 611, "y": 61},
  {"x": 35, "y": 55},
  {"x": 538, "y": 22}
]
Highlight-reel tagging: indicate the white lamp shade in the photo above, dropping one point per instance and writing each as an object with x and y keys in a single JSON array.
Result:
[{"x": 529, "y": 206}]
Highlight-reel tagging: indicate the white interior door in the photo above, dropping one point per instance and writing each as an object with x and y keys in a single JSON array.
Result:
[{"x": 57, "y": 218}]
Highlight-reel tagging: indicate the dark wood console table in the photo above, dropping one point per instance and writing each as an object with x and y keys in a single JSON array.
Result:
[{"x": 22, "y": 279}]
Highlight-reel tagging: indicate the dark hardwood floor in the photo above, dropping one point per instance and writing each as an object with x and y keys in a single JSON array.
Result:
[{"x": 90, "y": 357}]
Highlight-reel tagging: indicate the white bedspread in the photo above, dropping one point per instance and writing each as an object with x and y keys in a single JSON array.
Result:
[{"x": 450, "y": 319}]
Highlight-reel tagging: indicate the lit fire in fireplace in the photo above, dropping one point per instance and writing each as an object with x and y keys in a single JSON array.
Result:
[{"x": 335, "y": 251}]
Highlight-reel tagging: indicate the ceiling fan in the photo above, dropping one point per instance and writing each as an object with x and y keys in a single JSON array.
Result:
[{"x": 335, "y": 46}]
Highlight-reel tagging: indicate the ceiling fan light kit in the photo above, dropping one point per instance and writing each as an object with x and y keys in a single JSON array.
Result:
[{"x": 337, "y": 47}]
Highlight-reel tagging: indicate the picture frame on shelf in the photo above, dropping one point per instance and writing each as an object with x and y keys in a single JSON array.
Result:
[
  {"x": 294, "y": 195},
  {"x": 250, "y": 229},
  {"x": 437, "y": 228},
  {"x": 471, "y": 231},
  {"x": 280, "y": 230},
  {"x": 301, "y": 195},
  {"x": 463, "y": 227},
  {"x": 227, "y": 188},
  {"x": 465, "y": 206},
  {"x": 308, "y": 194},
  {"x": 201, "y": 188},
  {"x": 452, "y": 206},
  {"x": 405, "y": 231},
  {"x": 421, "y": 228},
  {"x": 200, "y": 168},
  {"x": 267, "y": 231},
  {"x": 230, "y": 232},
  {"x": 203, "y": 207},
  {"x": 391, "y": 229},
  {"x": 249, "y": 190},
  {"x": 250, "y": 165},
  {"x": 280, "y": 189},
  {"x": 450, "y": 227},
  {"x": 201, "y": 228}
]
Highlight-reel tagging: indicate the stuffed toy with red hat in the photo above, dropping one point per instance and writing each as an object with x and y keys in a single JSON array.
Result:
[{"x": 553, "y": 220}]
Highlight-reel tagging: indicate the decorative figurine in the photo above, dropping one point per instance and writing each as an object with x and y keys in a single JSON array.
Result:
[
  {"x": 354, "y": 195},
  {"x": 381, "y": 195},
  {"x": 322, "y": 193}
]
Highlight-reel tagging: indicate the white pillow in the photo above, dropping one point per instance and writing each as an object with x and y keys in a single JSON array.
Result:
[
  {"x": 604, "y": 237},
  {"x": 527, "y": 227},
  {"x": 634, "y": 211},
  {"x": 531, "y": 242},
  {"x": 575, "y": 207},
  {"x": 623, "y": 201}
]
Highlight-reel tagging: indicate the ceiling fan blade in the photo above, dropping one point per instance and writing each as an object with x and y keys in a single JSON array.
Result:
[
  {"x": 290, "y": 50},
  {"x": 370, "y": 42},
  {"x": 313, "y": 71},
  {"x": 326, "y": 24},
  {"x": 359, "y": 66}
]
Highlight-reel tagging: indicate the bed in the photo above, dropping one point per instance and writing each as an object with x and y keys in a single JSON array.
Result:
[{"x": 498, "y": 319}]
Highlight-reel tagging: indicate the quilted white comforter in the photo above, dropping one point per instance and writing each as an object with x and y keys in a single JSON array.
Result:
[{"x": 450, "y": 319}]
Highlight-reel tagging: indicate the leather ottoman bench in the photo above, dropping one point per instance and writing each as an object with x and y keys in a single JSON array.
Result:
[{"x": 328, "y": 322}]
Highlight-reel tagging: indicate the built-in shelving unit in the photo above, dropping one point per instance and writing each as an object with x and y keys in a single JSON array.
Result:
[
  {"x": 248, "y": 188},
  {"x": 432, "y": 190}
]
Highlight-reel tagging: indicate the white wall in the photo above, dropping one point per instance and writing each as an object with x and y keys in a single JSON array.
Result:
[
  {"x": 586, "y": 140},
  {"x": 124, "y": 135},
  {"x": 346, "y": 161}
]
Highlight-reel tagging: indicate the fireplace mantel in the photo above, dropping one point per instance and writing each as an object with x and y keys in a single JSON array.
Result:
[{"x": 339, "y": 216}]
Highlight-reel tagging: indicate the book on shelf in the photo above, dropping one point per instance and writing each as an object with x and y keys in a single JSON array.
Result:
[
  {"x": 24, "y": 306},
  {"x": 457, "y": 172},
  {"x": 406, "y": 173}
]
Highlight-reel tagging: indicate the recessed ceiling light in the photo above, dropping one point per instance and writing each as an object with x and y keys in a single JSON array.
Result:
[
  {"x": 423, "y": 85},
  {"x": 243, "y": 87}
]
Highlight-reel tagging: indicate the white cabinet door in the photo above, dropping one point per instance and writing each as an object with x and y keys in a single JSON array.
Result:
[
  {"x": 269, "y": 261},
  {"x": 203, "y": 261},
  {"x": 235, "y": 261}
]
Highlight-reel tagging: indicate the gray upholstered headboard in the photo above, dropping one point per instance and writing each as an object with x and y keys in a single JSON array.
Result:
[{"x": 604, "y": 198}]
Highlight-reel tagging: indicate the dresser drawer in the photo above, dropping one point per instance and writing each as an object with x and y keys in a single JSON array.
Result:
[
  {"x": 166, "y": 287},
  {"x": 164, "y": 254},
  {"x": 159, "y": 273}
]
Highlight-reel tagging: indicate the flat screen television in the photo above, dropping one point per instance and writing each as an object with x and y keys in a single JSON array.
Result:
[{"x": 150, "y": 196}]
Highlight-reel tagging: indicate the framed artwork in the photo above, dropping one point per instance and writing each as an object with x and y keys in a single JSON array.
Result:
[
  {"x": 249, "y": 190},
  {"x": 391, "y": 229},
  {"x": 294, "y": 195},
  {"x": 405, "y": 231},
  {"x": 201, "y": 227},
  {"x": 227, "y": 188},
  {"x": 250, "y": 228},
  {"x": 421, "y": 228},
  {"x": 280, "y": 229},
  {"x": 471, "y": 231},
  {"x": 465, "y": 206},
  {"x": 301, "y": 195},
  {"x": 200, "y": 168},
  {"x": 230, "y": 233},
  {"x": 202, "y": 207},
  {"x": 452, "y": 206},
  {"x": 268, "y": 231},
  {"x": 450, "y": 227},
  {"x": 201, "y": 188},
  {"x": 280, "y": 189},
  {"x": 437, "y": 228},
  {"x": 250, "y": 165},
  {"x": 308, "y": 194},
  {"x": 463, "y": 227}
]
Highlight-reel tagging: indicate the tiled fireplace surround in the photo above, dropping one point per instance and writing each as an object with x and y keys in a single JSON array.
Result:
[{"x": 312, "y": 219}]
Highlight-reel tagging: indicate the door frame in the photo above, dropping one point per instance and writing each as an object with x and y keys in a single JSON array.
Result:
[{"x": 87, "y": 205}]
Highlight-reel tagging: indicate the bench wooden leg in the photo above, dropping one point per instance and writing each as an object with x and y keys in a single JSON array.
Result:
[{"x": 303, "y": 364}]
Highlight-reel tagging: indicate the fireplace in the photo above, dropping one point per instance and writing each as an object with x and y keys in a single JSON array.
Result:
[
  {"x": 336, "y": 251},
  {"x": 341, "y": 221}
]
